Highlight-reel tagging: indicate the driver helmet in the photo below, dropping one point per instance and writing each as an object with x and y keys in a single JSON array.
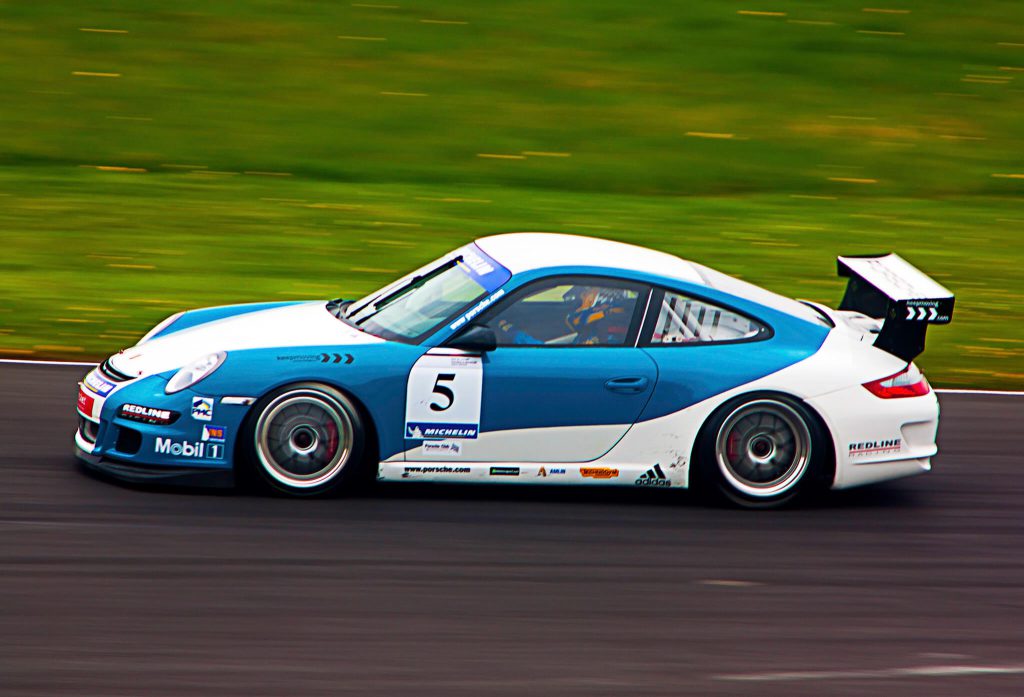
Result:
[{"x": 601, "y": 315}]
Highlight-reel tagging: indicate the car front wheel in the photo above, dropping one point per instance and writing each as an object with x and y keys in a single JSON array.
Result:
[{"x": 307, "y": 439}]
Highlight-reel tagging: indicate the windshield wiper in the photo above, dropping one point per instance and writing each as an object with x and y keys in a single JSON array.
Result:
[
  {"x": 414, "y": 283},
  {"x": 338, "y": 307}
]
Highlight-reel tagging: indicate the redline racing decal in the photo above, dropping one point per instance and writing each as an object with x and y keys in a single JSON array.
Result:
[
  {"x": 876, "y": 447},
  {"x": 148, "y": 415},
  {"x": 599, "y": 472}
]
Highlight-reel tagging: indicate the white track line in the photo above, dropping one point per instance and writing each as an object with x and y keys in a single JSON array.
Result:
[
  {"x": 18, "y": 361},
  {"x": 947, "y": 671},
  {"x": 943, "y": 390},
  {"x": 940, "y": 390}
]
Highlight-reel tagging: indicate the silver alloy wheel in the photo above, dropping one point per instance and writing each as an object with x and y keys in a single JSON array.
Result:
[
  {"x": 763, "y": 448},
  {"x": 304, "y": 438}
]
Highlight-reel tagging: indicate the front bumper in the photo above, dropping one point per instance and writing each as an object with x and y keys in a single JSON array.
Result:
[
  {"x": 190, "y": 446},
  {"x": 137, "y": 473}
]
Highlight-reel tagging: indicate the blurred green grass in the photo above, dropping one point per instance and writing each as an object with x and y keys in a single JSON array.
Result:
[{"x": 282, "y": 161}]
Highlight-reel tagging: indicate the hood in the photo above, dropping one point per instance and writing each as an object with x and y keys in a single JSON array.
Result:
[{"x": 304, "y": 324}]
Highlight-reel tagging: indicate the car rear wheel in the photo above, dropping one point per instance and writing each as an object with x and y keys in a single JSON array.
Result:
[
  {"x": 763, "y": 452},
  {"x": 307, "y": 440}
]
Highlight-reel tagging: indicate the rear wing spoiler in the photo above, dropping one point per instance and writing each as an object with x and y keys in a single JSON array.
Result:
[{"x": 905, "y": 299}]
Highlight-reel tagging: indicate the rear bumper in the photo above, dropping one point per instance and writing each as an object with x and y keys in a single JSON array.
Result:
[
  {"x": 879, "y": 439},
  {"x": 161, "y": 475}
]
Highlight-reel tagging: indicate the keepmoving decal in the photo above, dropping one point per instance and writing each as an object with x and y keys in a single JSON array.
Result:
[
  {"x": 599, "y": 472},
  {"x": 197, "y": 449},
  {"x": 345, "y": 358},
  {"x": 504, "y": 471},
  {"x": 653, "y": 477},
  {"x": 876, "y": 447}
]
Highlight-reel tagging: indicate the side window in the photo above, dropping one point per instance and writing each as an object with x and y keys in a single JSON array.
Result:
[
  {"x": 684, "y": 320},
  {"x": 583, "y": 313}
]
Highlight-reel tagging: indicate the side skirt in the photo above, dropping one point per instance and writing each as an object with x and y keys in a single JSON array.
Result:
[{"x": 655, "y": 475}]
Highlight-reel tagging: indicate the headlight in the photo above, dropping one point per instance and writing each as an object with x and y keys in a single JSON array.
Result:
[
  {"x": 195, "y": 371},
  {"x": 160, "y": 327}
]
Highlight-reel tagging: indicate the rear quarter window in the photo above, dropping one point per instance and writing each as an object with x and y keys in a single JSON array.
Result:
[{"x": 685, "y": 320}]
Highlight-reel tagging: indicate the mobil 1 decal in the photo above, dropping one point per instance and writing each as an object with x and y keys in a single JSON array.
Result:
[{"x": 442, "y": 400}]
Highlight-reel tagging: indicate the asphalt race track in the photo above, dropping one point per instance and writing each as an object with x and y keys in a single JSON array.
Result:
[{"x": 909, "y": 588}]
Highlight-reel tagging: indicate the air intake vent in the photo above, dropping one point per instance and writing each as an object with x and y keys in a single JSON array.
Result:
[
  {"x": 113, "y": 374},
  {"x": 88, "y": 429},
  {"x": 128, "y": 440}
]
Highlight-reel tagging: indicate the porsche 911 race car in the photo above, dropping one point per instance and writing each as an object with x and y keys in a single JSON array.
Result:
[{"x": 534, "y": 358}]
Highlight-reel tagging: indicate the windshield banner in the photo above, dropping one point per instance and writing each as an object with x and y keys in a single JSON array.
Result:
[{"x": 485, "y": 271}]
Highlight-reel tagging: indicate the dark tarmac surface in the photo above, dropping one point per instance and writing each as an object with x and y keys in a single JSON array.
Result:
[{"x": 910, "y": 588}]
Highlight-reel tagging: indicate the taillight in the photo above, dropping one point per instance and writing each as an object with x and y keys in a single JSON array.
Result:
[{"x": 909, "y": 382}]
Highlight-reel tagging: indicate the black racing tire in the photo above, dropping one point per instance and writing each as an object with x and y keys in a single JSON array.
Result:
[
  {"x": 763, "y": 451},
  {"x": 306, "y": 439}
]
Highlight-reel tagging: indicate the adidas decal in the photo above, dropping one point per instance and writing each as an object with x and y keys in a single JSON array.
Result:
[{"x": 653, "y": 477}]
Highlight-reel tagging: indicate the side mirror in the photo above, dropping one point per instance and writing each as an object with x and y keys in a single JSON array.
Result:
[{"x": 477, "y": 338}]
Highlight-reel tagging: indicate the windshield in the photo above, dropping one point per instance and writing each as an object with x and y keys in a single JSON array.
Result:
[{"x": 413, "y": 306}]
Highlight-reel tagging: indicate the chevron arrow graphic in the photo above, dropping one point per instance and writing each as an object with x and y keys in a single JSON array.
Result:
[
  {"x": 932, "y": 313},
  {"x": 336, "y": 358}
]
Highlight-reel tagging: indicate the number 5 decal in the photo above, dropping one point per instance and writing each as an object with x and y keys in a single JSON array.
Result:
[
  {"x": 442, "y": 398},
  {"x": 443, "y": 391}
]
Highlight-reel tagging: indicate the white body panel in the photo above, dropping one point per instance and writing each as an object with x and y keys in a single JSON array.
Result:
[
  {"x": 895, "y": 277},
  {"x": 525, "y": 251},
  {"x": 573, "y": 474},
  {"x": 306, "y": 324}
]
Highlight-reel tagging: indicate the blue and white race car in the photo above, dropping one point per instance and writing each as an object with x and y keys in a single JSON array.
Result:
[{"x": 534, "y": 358}]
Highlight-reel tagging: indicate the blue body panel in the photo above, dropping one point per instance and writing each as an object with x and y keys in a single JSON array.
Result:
[
  {"x": 149, "y": 392},
  {"x": 376, "y": 378},
  {"x": 535, "y": 387}
]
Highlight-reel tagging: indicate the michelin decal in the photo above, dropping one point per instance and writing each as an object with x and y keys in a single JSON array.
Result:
[{"x": 443, "y": 396}]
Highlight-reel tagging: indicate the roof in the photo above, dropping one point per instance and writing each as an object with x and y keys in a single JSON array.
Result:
[{"x": 525, "y": 251}]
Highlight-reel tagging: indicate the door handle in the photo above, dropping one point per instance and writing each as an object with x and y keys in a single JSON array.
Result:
[{"x": 631, "y": 385}]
